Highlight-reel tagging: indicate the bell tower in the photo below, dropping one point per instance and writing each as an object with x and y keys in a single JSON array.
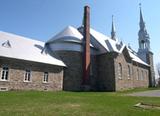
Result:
[
  {"x": 144, "y": 39},
  {"x": 144, "y": 51}
]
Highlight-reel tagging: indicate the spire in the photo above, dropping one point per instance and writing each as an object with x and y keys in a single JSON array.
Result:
[
  {"x": 144, "y": 39},
  {"x": 141, "y": 23},
  {"x": 113, "y": 32}
]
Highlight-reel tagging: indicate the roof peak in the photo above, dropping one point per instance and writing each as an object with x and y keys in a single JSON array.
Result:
[
  {"x": 68, "y": 31},
  {"x": 70, "y": 27},
  {"x": 19, "y": 36}
]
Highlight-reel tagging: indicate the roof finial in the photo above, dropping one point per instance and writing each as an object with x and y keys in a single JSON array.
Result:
[
  {"x": 140, "y": 5},
  {"x": 113, "y": 32}
]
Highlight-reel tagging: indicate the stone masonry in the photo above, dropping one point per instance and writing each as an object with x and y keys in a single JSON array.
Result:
[
  {"x": 17, "y": 70},
  {"x": 73, "y": 72},
  {"x": 138, "y": 76},
  {"x": 105, "y": 64}
]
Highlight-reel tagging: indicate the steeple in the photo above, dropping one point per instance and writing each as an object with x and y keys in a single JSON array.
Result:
[
  {"x": 113, "y": 32},
  {"x": 144, "y": 40},
  {"x": 144, "y": 51},
  {"x": 141, "y": 23}
]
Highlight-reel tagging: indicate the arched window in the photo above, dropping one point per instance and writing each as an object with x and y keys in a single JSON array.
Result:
[
  {"x": 146, "y": 75},
  {"x": 143, "y": 44},
  {"x": 137, "y": 74},
  {"x": 129, "y": 72},
  {"x": 142, "y": 75},
  {"x": 91, "y": 70},
  {"x": 119, "y": 71}
]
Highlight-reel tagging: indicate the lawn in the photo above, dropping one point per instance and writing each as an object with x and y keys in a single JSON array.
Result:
[{"x": 36, "y": 103}]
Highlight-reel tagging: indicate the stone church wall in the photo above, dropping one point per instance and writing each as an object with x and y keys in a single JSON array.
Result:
[
  {"x": 138, "y": 76},
  {"x": 106, "y": 77},
  {"x": 16, "y": 75},
  {"x": 151, "y": 70},
  {"x": 73, "y": 72},
  {"x": 93, "y": 73}
]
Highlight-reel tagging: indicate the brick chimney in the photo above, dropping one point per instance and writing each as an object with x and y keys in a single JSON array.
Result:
[{"x": 86, "y": 46}]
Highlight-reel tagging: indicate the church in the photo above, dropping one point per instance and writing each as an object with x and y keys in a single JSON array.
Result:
[{"x": 76, "y": 59}]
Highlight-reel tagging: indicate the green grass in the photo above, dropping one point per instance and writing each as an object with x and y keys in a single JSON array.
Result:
[
  {"x": 35, "y": 103},
  {"x": 138, "y": 90}
]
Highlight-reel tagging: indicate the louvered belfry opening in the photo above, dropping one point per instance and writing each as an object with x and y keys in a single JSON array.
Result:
[{"x": 86, "y": 46}]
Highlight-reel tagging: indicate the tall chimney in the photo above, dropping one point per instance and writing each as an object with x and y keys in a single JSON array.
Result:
[{"x": 86, "y": 45}]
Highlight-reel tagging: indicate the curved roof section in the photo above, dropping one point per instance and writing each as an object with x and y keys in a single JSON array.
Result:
[
  {"x": 25, "y": 49},
  {"x": 68, "y": 34}
]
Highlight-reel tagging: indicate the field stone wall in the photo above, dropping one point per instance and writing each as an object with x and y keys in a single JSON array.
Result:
[{"x": 17, "y": 70}]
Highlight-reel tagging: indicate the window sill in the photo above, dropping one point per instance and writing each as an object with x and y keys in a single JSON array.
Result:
[
  {"x": 45, "y": 82},
  {"x": 4, "y": 80},
  {"x": 27, "y": 81},
  {"x": 119, "y": 78}
]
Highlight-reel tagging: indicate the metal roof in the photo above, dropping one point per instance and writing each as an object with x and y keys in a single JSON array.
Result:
[
  {"x": 18, "y": 47},
  {"x": 98, "y": 40}
]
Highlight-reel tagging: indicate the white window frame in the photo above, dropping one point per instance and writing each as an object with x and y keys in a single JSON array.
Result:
[
  {"x": 28, "y": 74},
  {"x": 45, "y": 77},
  {"x": 6, "y": 73}
]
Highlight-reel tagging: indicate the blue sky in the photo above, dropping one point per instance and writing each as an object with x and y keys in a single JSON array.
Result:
[{"x": 42, "y": 19}]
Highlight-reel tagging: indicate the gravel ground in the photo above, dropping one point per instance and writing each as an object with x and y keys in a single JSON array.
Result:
[{"x": 151, "y": 93}]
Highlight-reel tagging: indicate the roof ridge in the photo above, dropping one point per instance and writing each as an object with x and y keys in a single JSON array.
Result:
[{"x": 20, "y": 36}]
